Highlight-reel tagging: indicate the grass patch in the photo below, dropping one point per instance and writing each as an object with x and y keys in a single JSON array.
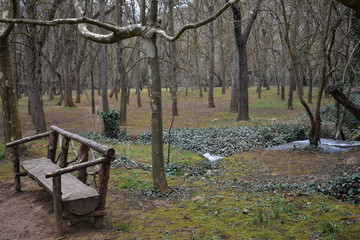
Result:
[{"x": 134, "y": 179}]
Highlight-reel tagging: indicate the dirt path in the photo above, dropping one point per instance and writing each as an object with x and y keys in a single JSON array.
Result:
[{"x": 29, "y": 215}]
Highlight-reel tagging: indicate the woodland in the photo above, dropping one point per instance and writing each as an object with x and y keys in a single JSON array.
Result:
[{"x": 226, "y": 78}]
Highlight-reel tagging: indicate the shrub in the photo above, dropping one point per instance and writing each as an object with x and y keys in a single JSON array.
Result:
[{"x": 111, "y": 124}]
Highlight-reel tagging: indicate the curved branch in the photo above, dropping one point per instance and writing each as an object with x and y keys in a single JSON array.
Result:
[
  {"x": 117, "y": 33},
  {"x": 194, "y": 25},
  {"x": 10, "y": 27}
]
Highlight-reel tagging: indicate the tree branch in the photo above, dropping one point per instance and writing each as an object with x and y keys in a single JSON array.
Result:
[
  {"x": 342, "y": 99},
  {"x": 251, "y": 20},
  {"x": 194, "y": 25},
  {"x": 117, "y": 33}
]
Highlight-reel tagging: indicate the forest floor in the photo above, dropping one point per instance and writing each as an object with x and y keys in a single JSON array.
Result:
[{"x": 250, "y": 195}]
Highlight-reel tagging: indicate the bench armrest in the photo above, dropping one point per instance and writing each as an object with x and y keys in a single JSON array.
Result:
[
  {"x": 28, "y": 139},
  {"x": 78, "y": 167}
]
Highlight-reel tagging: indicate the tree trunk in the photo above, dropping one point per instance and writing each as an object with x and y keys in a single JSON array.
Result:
[
  {"x": 34, "y": 55},
  {"x": 138, "y": 75},
  {"x": 284, "y": 65},
  {"x": 234, "y": 104},
  {"x": 173, "y": 66},
  {"x": 211, "y": 103},
  {"x": 310, "y": 77},
  {"x": 103, "y": 61},
  {"x": 243, "y": 114},
  {"x": 11, "y": 120},
  {"x": 291, "y": 90},
  {"x": 157, "y": 155},
  {"x": 92, "y": 82},
  {"x": 78, "y": 86},
  {"x": 69, "y": 72},
  {"x": 223, "y": 67},
  {"x": 241, "y": 37},
  {"x": 123, "y": 84}
]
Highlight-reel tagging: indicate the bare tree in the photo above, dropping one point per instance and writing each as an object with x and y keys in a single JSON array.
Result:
[
  {"x": 241, "y": 37},
  {"x": 11, "y": 120},
  {"x": 211, "y": 50},
  {"x": 173, "y": 56},
  {"x": 315, "y": 120}
]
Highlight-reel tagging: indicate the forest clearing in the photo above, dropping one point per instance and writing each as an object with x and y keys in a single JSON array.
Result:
[
  {"x": 258, "y": 194},
  {"x": 192, "y": 119}
]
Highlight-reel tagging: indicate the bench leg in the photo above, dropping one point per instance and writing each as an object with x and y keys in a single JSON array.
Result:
[
  {"x": 57, "y": 206},
  {"x": 104, "y": 174},
  {"x": 99, "y": 222}
]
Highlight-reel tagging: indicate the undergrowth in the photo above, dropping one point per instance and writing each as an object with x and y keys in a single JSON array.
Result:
[
  {"x": 346, "y": 188},
  {"x": 227, "y": 141}
]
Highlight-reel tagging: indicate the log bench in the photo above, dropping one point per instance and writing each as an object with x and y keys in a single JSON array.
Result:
[{"x": 72, "y": 197}]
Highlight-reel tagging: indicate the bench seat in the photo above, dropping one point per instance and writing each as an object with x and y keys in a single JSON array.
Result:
[{"x": 77, "y": 197}]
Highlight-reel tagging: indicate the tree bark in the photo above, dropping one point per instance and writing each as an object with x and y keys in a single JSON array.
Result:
[
  {"x": 173, "y": 84},
  {"x": 123, "y": 83},
  {"x": 138, "y": 75},
  {"x": 241, "y": 37},
  {"x": 291, "y": 90},
  {"x": 234, "y": 103},
  {"x": 34, "y": 66},
  {"x": 11, "y": 120},
  {"x": 157, "y": 155},
  {"x": 103, "y": 60},
  {"x": 211, "y": 103},
  {"x": 69, "y": 67}
]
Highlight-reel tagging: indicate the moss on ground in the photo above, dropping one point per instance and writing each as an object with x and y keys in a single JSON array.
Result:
[{"x": 231, "y": 215}]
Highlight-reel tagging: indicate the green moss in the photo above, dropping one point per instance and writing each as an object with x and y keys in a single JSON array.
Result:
[{"x": 223, "y": 216}]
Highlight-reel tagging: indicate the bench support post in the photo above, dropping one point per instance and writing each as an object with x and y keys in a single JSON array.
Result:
[
  {"x": 53, "y": 139},
  {"x": 83, "y": 157},
  {"x": 57, "y": 205},
  {"x": 16, "y": 164},
  {"x": 64, "y": 152},
  {"x": 104, "y": 174}
]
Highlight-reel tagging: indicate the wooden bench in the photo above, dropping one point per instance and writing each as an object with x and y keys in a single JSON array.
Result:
[{"x": 73, "y": 198}]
